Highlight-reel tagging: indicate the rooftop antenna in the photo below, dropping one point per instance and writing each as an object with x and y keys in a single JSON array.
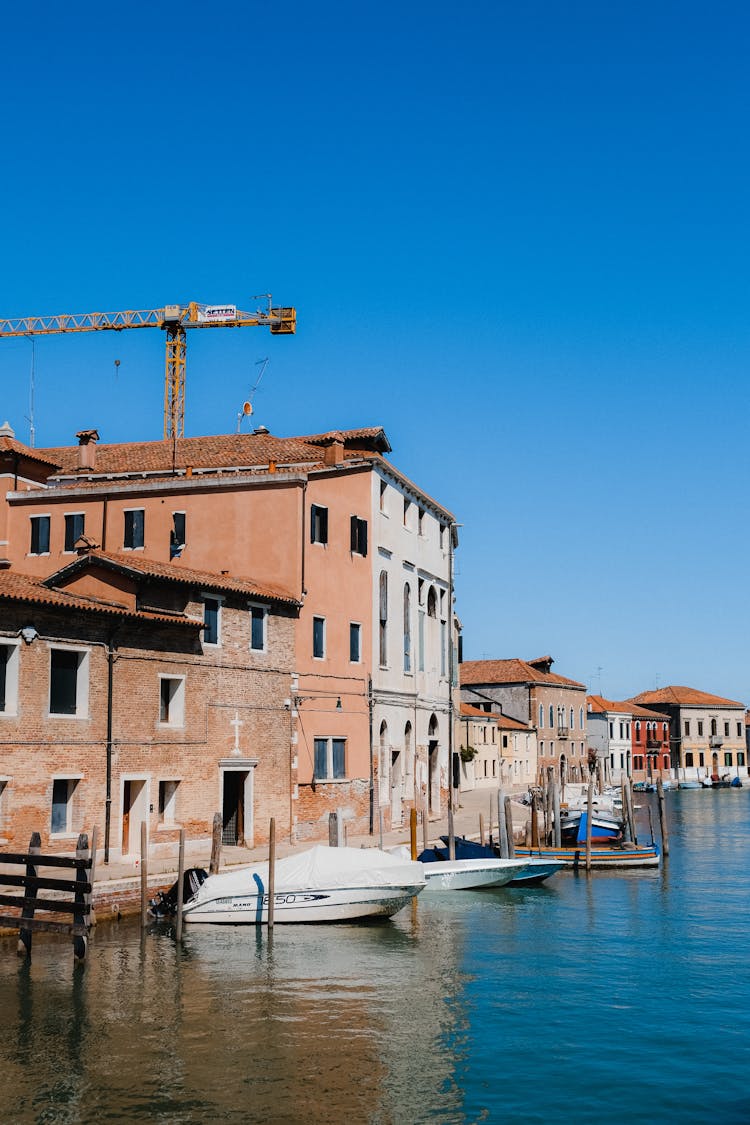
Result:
[
  {"x": 30, "y": 415},
  {"x": 247, "y": 407}
]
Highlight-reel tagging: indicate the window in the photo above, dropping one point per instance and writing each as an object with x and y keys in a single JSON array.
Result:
[
  {"x": 713, "y": 726},
  {"x": 611, "y": 730},
  {"x": 572, "y": 719},
  {"x": 740, "y": 758},
  {"x": 701, "y": 759},
  {"x": 552, "y": 716},
  {"x": 726, "y": 730},
  {"x": 442, "y": 536},
  {"x": 74, "y": 524},
  {"x": 541, "y": 749},
  {"x": 728, "y": 758},
  {"x": 420, "y": 520},
  {"x": 739, "y": 730},
  {"x": 431, "y": 602},
  {"x": 134, "y": 528},
  {"x": 319, "y": 637},
  {"x": 638, "y": 731},
  {"x": 172, "y": 701},
  {"x": 687, "y": 728},
  {"x": 330, "y": 758},
  {"x": 420, "y": 618},
  {"x": 167, "y": 801},
  {"x": 68, "y": 683},
  {"x": 39, "y": 535},
  {"x": 177, "y": 535},
  {"x": 258, "y": 627},
  {"x": 580, "y": 719},
  {"x": 407, "y": 627},
  {"x": 9, "y": 660},
  {"x": 622, "y": 730},
  {"x": 318, "y": 524},
  {"x": 700, "y": 728},
  {"x": 443, "y": 647},
  {"x": 541, "y": 716},
  {"x": 383, "y": 614},
  {"x": 211, "y": 621},
  {"x": 359, "y": 536},
  {"x": 355, "y": 642},
  {"x": 63, "y": 789},
  {"x": 407, "y": 512},
  {"x": 688, "y": 758},
  {"x": 383, "y": 498}
]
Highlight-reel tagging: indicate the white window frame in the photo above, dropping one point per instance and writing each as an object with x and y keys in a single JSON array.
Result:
[
  {"x": 11, "y": 678},
  {"x": 72, "y": 779},
  {"x": 40, "y": 516},
  {"x": 66, "y": 515},
  {"x": 176, "y": 702},
  {"x": 329, "y": 739},
  {"x": 143, "y": 544},
  {"x": 358, "y": 626},
  {"x": 317, "y": 617},
  {"x": 205, "y": 596},
  {"x": 168, "y": 815},
  {"x": 82, "y": 683},
  {"x": 254, "y": 607}
]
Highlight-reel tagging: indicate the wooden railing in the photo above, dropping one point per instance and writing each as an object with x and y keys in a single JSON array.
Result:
[{"x": 31, "y": 882}]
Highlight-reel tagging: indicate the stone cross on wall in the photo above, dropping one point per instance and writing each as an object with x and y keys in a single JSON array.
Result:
[{"x": 236, "y": 722}]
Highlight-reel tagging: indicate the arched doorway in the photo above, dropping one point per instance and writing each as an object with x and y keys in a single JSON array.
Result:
[
  {"x": 433, "y": 766},
  {"x": 383, "y": 764}
]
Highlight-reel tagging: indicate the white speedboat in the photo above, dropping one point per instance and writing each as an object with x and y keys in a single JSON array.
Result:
[
  {"x": 320, "y": 885},
  {"x": 470, "y": 874},
  {"x": 535, "y": 870}
]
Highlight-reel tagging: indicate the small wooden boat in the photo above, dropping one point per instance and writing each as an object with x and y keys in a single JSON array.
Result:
[{"x": 617, "y": 858}]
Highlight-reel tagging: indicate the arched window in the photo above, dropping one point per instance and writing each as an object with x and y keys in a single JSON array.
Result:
[
  {"x": 384, "y": 755},
  {"x": 407, "y": 744},
  {"x": 407, "y": 627},
  {"x": 572, "y": 719},
  {"x": 431, "y": 602},
  {"x": 638, "y": 730},
  {"x": 713, "y": 726},
  {"x": 580, "y": 719},
  {"x": 552, "y": 716},
  {"x": 541, "y": 715},
  {"x": 383, "y": 619}
]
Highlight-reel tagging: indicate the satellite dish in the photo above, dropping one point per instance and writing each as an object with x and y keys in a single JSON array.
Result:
[{"x": 247, "y": 408}]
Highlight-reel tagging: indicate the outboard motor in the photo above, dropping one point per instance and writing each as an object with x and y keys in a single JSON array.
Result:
[{"x": 164, "y": 903}]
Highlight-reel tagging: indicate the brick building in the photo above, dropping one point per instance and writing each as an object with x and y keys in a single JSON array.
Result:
[
  {"x": 364, "y": 553},
  {"x": 133, "y": 693},
  {"x": 529, "y": 691}
]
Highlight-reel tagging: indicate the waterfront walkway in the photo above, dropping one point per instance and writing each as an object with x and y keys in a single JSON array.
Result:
[{"x": 117, "y": 884}]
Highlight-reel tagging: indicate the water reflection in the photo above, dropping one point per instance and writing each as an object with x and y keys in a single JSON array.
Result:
[{"x": 590, "y": 991}]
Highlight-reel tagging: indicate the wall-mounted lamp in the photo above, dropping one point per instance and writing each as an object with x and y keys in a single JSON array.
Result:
[
  {"x": 29, "y": 634},
  {"x": 301, "y": 699}
]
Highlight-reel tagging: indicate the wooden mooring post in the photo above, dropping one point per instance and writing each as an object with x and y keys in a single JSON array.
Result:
[
  {"x": 663, "y": 829},
  {"x": 216, "y": 830},
  {"x": 271, "y": 871},
  {"x": 511, "y": 844},
  {"x": 589, "y": 816},
  {"x": 413, "y": 832},
  {"x": 144, "y": 875},
  {"x": 31, "y": 882},
  {"x": 180, "y": 887}
]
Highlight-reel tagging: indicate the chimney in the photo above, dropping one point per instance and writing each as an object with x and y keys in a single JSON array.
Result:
[
  {"x": 333, "y": 451},
  {"x": 87, "y": 440}
]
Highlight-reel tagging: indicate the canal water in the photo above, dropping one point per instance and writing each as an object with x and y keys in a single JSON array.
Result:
[{"x": 616, "y": 996}]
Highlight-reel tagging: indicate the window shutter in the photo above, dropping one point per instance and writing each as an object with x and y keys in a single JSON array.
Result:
[
  {"x": 353, "y": 535},
  {"x": 363, "y": 537}
]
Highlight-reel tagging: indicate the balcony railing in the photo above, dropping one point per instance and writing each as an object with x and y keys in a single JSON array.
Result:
[
  {"x": 715, "y": 741},
  {"x": 562, "y": 732},
  {"x": 652, "y": 743}
]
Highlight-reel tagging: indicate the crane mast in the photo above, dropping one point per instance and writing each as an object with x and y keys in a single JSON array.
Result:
[{"x": 174, "y": 320}]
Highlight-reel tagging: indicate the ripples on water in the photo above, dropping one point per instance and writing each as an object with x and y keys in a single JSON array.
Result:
[{"x": 622, "y": 996}]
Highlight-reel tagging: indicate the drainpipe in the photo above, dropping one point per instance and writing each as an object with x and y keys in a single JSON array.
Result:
[
  {"x": 104, "y": 523},
  {"x": 304, "y": 541},
  {"x": 372, "y": 770},
  {"x": 108, "y": 790},
  {"x": 451, "y": 795}
]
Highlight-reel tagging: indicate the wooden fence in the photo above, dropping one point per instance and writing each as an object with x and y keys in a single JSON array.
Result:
[{"x": 31, "y": 882}]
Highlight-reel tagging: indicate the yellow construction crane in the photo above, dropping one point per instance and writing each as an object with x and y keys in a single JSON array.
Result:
[{"x": 174, "y": 320}]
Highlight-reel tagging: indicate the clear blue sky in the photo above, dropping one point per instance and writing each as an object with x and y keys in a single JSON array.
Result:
[{"x": 516, "y": 235}]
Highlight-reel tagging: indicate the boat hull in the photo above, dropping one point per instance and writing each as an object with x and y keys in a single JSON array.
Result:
[
  {"x": 304, "y": 906},
  {"x": 465, "y": 874},
  {"x": 614, "y": 858}
]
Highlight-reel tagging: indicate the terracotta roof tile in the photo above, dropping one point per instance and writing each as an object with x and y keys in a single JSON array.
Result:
[
  {"x": 512, "y": 671},
  {"x": 10, "y": 445},
  {"x": 23, "y": 588},
  {"x": 175, "y": 572},
  {"x": 600, "y": 706},
  {"x": 206, "y": 452},
  {"x": 684, "y": 696},
  {"x": 505, "y": 722}
]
